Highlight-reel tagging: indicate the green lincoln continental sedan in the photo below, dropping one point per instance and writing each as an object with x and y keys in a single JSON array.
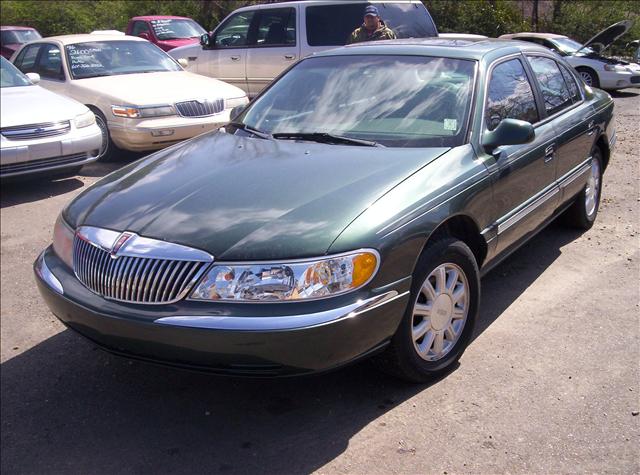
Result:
[{"x": 348, "y": 211}]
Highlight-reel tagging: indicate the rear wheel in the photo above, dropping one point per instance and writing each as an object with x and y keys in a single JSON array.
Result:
[
  {"x": 589, "y": 77},
  {"x": 438, "y": 323},
  {"x": 582, "y": 213}
]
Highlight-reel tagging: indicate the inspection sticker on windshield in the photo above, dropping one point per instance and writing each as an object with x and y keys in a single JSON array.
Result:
[{"x": 450, "y": 124}]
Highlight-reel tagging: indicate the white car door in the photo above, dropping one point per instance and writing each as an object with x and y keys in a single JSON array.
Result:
[{"x": 274, "y": 46}]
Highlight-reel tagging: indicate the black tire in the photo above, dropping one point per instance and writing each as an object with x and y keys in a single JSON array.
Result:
[
  {"x": 582, "y": 214},
  {"x": 401, "y": 358},
  {"x": 109, "y": 149},
  {"x": 589, "y": 76}
]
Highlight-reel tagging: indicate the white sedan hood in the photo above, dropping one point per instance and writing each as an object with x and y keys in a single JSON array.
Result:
[
  {"x": 25, "y": 105},
  {"x": 145, "y": 89}
]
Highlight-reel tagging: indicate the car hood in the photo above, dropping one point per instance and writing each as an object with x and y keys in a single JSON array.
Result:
[
  {"x": 243, "y": 198},
  {"x": 610, "y": 34},
  {"x": 34, "y": 105},
  {"x": 177, "y": 42},
  {"x": 158, "y": 88}
]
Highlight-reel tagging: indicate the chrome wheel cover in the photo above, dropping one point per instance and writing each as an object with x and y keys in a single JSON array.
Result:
[
  {"x": 105, "y": 136},
  {"x": 586, "y": 77},
  {"x": 440, "y": 312},
  {"x": 592, "y": 191}
]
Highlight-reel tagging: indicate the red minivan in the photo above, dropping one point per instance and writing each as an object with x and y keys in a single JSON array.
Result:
[{"x": 167, "y": 32}]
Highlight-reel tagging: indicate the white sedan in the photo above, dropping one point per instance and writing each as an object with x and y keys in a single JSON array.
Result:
[
  {"x": 142, "y": 98},
  {"x": 595, "y": 69},
  {"x": 42, "y": 131}
]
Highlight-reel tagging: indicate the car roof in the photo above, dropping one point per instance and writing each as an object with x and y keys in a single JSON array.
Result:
[
  {"x": 532, "y": 35},
  {"x": 439, "y": 47},
  {"x": 7, "y": 27},
  {"x": 321, "y": 2},
  {"x": 159, "y": 17},
  {"x": 72, "y": 39}
]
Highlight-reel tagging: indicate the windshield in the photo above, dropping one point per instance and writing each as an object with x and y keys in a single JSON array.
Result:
[
  {"x": 10, "y": 76},
  {"x": 107, "y": 58},
  {"x": 176, "y": 29},
  {"x": 569, "y": 46},
  {"x": 396, "y": 101},
  {"x": 8, "y": 37}
]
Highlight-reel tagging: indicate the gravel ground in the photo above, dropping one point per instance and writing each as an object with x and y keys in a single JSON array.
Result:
[{"x": 549, "y": 384}]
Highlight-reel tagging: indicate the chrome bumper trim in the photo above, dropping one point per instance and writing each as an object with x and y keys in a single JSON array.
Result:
[
  {"x": 46, "y": 275},
  {"x": 291, "y": 322}
]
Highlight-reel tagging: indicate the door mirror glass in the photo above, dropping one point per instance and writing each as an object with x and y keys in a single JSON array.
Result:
[
  {"x": 183, "y": 62},
  {"x": 34, "y": 78},
  {"x": 144, "y": 35},
  {"x": 205, "y": 40},
  {"x": 236, "y": 111},
  {"x": 508, "y": 132}
]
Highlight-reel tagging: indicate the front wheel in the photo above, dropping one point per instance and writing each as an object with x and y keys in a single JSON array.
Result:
[
  {"x": 589, "y": 77},
  {"x": 582, "y": 213},
  {"x": 107, "y": 149},
  {"x": 439, "y": 320}
]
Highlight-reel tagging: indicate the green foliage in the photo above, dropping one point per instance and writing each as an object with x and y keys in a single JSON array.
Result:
[{"x": 579, "y": 19}]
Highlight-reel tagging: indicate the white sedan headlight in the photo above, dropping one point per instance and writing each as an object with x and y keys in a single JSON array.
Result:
[
  {"x": 618, "y": 68},
  {"x": 63, "y": 241},
  {"x": 235, "y": 102},
  {"x": 132, "y": 112},
  {"x": 288, "y": 281},
  {"x": 85, "y": 120}
]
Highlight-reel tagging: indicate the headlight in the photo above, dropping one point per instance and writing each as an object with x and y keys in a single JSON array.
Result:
[
  {"x": 63, "y": 241},
  {"x": 615, "y": 67},
  {"x": 131, "y": 112},
  {"x": 85, "y": 120},
  {"x": 288, "y": 281},
  {"x": 235, "y": 102}
]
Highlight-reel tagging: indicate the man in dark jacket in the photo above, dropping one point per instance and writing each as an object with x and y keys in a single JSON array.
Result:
[{"x": 372, "y": 29}]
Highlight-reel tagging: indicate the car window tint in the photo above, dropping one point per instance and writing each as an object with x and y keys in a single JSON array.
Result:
[
  {"x": 276, "y": 27},
  {"x": 571, "y": 84},
  {"x": 235, "y": 31},
  {"x": 510, "y": 95},
  {"x": 50, "y": 63},
  {"x": 554, "y": 90},
  {"x": 26, "y": 60},
  {"x": 139, "y": 27},
  {"x": 331, "y": 25}
]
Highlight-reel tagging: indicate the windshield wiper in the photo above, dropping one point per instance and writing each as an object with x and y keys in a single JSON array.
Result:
[
  {"x": 251, "y": 130},
  {"x": 325, "y": 137}
]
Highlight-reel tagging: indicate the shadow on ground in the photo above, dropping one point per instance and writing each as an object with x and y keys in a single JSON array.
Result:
[{"x": 67, "y": 406}]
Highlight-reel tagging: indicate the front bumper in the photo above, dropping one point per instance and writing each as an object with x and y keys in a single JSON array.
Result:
[
  {"x": 77, "y": 147},
  {"x": 619, "y": 80},
  {"x": 249, "y": 339},
  {"x": 157, "y": 133}
]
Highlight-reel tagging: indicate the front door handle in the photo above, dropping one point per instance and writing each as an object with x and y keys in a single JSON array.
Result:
[
  {"x": 592, "y": 128},
  {"x": 235, "y": 58},
  {"x": 289, "y": 56},
  {"x": 549, "y": 153}
]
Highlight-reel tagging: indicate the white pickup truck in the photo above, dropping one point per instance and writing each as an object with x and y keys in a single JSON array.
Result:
[{"x": 253, "y": 45}]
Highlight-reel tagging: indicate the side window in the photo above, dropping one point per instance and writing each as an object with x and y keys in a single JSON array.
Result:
[
  {"x": 26, "y": 60},
  {"x": 571, "y": 84},
  {"x": 50, "y": 63},
  {"x": 235, "y": 31},
  {"x": 140, "y": 27},
  {"x": 277, "y": 27},
  {"x": 554, "y": 90},
  {"x": 510, "y": 95}
]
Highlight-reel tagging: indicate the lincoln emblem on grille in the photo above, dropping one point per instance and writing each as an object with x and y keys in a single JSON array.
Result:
[{"x": 124, "y": 237}]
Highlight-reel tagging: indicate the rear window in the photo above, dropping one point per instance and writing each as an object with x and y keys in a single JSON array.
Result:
[{"x": 331, "y": 25}]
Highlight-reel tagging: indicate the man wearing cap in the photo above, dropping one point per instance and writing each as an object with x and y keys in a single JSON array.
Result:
[{"x": 372, "y": 29}]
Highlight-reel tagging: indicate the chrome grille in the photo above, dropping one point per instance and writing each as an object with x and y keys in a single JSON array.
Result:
[
  {"x": 200, "y": 109},
  {"x": 36, "y": 131},
  {"x": 133, "y": 279}
]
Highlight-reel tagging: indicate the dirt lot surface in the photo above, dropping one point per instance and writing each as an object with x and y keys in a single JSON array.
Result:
[{"x": 549, "y": 384}]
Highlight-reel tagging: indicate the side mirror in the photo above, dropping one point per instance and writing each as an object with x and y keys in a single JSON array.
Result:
[
  {"x": 205, "y": 40},
  {"x": 144, "y": 35},
  {"x": 508, "y": 132},
  {"x": 236, "y": 111},
  {"x": 184, "y": 62},
  {"x": 33, "y": 77}
]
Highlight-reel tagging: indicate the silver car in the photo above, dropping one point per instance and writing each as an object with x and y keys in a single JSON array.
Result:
[{"x": 42, "y": 131}]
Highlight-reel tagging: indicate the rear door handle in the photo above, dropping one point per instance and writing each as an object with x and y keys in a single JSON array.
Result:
[
  {"x": 289, "y": 56},
  {"x": 235, "y": 58},
  {"x": 549, "y": 153}
]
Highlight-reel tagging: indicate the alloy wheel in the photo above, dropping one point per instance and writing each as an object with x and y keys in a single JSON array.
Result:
[
  {"x": 586, "y": 77},
  {"x": 440, "y": 312},
  {"x": 592, "y": 191}
]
